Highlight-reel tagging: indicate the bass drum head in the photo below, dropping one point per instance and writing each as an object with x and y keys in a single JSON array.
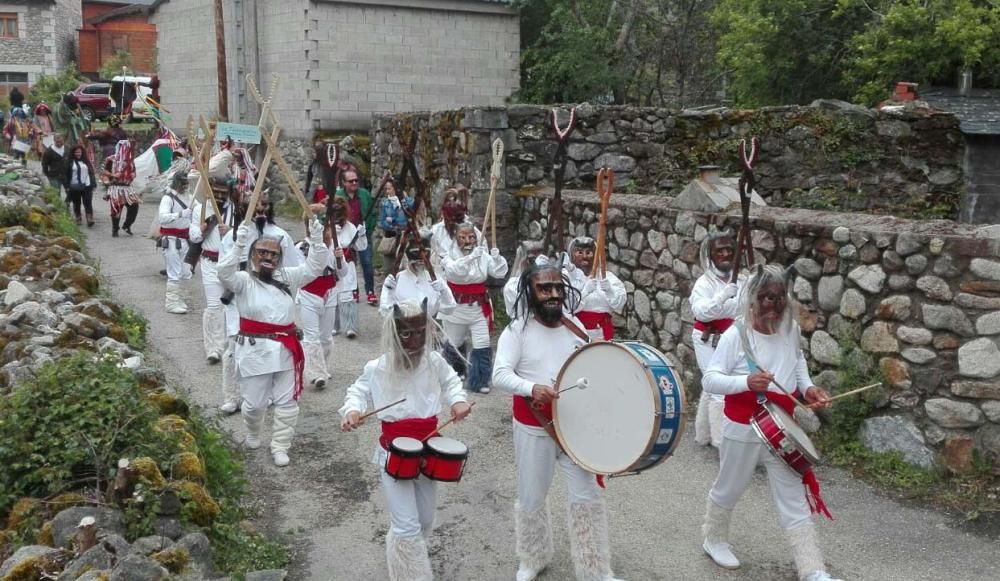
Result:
[
  {"x": 608, "y": 426},
  {"x": 794, "y": 431}
]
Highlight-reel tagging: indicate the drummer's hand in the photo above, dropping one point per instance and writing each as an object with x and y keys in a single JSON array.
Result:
[
  {"x": 542, "y": 394},
  {"x": 817, "y": 398},
  {"x": 759, "y": 380},
  {"x": 350, "y": 422},
  {"x": 460, "y": 411}
]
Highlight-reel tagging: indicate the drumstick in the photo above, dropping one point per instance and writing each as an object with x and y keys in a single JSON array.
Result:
[
  {"x": 383, "y": 408},
  {"x": 847, "y": 393},
  {"x": 788, "y": 393},
  {"x": 443, "y": 426},
  {"x": 582, "y": 383}
]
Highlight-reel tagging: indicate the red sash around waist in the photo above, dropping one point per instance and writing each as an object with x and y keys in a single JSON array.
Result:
[
  {"x": 716, "y": 327},
  {"x": 417, "y": 428},
  {"x": 284, "y": 334},
  {"x": 595, "y": 320},
  {"x": 466, "y": 294},
  {"x": 175, "y": 232},
  {"x": 740, "y": 407},
  {"x": 522, "y": 411},
  {"x": 210, "y": 255},
  {"x": 321, "y": 285}
]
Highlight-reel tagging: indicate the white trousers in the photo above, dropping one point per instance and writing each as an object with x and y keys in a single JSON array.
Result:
[
  {"x": 279, "y": 387},
  {"x": 737, "y": 462},
  {"x": 173, "y": 259},
  {"x": 467, "y": 320},
  {"x": 230, "y": 383},
  {"x": 213, "y": 320},
  {"x": 709, "y": 418},
  {"x": 536, "y": 456},
  {"x": 411, "y": 503},
  {"x": 318, "y": 322}
]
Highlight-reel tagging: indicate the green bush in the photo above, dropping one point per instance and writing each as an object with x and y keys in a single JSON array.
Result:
[
  {"x": 13, "y": 215},
  {"x": 51, "y": 88},
  {"x": 134, "y": 325},
  {"x": 69, "y": 425}
]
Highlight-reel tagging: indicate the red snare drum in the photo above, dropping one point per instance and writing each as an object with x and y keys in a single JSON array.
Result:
[
  {"x": 784, "y": 438},
  {"x": 444, "y": 459},
  {"x": 404, "y": 456}
]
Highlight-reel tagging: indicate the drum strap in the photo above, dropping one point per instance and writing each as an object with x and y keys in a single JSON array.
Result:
[
  {"x": 543, "y": 421},
  {"x": 575, "y": 330}
]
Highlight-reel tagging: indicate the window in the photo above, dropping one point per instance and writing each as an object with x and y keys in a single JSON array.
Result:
[
  {"x": 96, "y": 90},
  {"x": 13, "y": 78},
  {"x": 8, "y": 25}
]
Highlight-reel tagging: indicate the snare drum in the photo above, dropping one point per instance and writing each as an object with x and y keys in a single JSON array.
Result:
[
  {"x": 629, "y": 416},
  {"x": 444, "y": 459},
  {"x": 784, "y": 438},
  {"x": 404, "y": 456}
]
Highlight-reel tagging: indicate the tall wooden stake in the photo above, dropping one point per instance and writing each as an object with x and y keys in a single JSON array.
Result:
[{"x": 220, "y": 62}]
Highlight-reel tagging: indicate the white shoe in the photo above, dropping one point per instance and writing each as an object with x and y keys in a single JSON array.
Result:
[
  {"x": 526, "y": 574},
  {"x": 213, "y": 358},
  {"x": 230, "y": 407},
  {"x": 177, "y": 310},
  {"x": 280, "y": 459},
  {"x": 722, "y": 554},
  {"x": 484, "y": 390},
  {"x": 351, "y": 334},
  {"x": 319, "y": 383},
  {"x": 252, "y": 442},
  {"x": 820, "y": 576}
]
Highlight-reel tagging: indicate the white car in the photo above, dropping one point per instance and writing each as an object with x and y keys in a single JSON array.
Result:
[{"x": 140, "y": 111}]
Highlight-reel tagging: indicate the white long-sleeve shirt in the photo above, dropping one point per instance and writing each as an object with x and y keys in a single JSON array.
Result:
[
  {"x": 473, "y": 268},
  {"x": 708, "y": 303},
  {"x": 346, "y": 238},
  {"x": 530, "y": 353},
  {"x": 427, "y": 389},
  {"x": 410, "y": 286},
  {"x": 266, "y": 303},
  {"x": 170, "y": 212},
  {"x": 593, "y": 299},
  {"x": 212, "y": 241},
  {"x": 778, "y": 353}
]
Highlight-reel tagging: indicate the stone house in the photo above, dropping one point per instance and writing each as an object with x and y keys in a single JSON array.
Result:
[
  {"x": 37, "y": 37},
  {"x": 979, "y": 113},
  {"x": 112, "y": 26},
  {"x": 339, "y": 61}
]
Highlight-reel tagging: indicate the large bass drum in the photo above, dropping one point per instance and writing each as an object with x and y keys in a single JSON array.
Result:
[{"x": 625, "y": 413}]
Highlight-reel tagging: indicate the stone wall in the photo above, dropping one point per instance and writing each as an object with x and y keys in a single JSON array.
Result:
[
  {"x": 46, "y": 37},
  {"x": 921, "y": 298},
  {"x": 830, "y": 155}
]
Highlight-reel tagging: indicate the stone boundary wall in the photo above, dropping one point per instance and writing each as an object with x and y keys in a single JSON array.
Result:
[
  {"x": 920, "y": 297},
  {"x": 830, "y": 155}
]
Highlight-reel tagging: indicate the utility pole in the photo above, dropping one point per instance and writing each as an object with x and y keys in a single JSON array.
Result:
[{"x": 220, "y": 62}]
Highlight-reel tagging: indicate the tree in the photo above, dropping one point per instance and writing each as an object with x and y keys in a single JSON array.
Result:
[
  {"x": 925, "y": 41},
  {"x": 113, "y": 66},
  {"x": 51, "y": 88}
]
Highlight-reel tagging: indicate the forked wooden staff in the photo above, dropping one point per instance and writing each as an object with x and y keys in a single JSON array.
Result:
[
  {"x": 265, "y": 164},
  {"x": 272, "y": 148},
  {"x": 744, "y": 242},
  {"x": 605, "y": 187},
  {"x": 490, "y": 216},
  {"x": 553, "y": 231},
  {"x": 201, "y": 157}
]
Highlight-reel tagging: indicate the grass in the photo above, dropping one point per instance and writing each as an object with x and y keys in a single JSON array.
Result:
[{"x": 138, "y": 127}]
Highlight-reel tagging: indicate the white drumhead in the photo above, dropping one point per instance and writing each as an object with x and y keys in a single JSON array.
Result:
[
  {"x": 608, "y": 426},
  {"x": 408, "y": 444},
  {"x": 447, "y": 446},
  {"x": 794, "y": 431}
]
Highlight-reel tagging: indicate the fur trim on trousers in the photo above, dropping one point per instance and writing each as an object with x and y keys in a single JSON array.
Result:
[
  {"x": 533, "y": 534},
  {"x": 285, "y": 418},
  {"x": 716, "y": 526},
  {"x": 407, "y": 558},
  {"x": 805, "y": 550},
  {"x": 213, "y": 330},
  {"x": 589, "y": 545}
]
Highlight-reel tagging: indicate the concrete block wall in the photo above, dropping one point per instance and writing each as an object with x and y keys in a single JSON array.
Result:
[
  {"x": 67, "y": 19},
  {"x": 387, "y": 59},
  {"x": 283, "y": 50}
]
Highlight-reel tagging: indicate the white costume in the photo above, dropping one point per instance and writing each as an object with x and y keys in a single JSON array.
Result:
[
  {"x": 318, "y": 311},
  {"x": 599, "y": 299},
  {"x": 175, "y": 219},
  {"x": 416, "y": 286},
  {"x": 213, "y": 320},
  {"x": 442, "y": 244},
  {"x": 411, "y": 503},
  {"x": 531, "y": 353},
  {"x": 712, "y": 299},
  {"x": 353, "y": 238},
  {"x": 266, "y": 368},
  {"x": 468, "y": 319},
  {"x": 742, "y": 450}
]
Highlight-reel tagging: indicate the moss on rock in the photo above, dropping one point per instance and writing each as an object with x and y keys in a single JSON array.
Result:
[
  {"x": 148, "y": 471},
  {"x": 175, "y": 559},
  {"x": 199, "y": 506}
]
